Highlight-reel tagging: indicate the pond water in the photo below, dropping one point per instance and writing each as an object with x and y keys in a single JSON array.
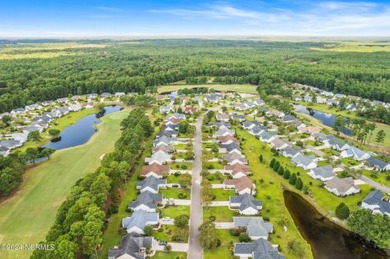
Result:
[
  {"x": 80, "y": 132},
  {"x": 326, "y": 118},
  {"x": 327, "y": 239}
]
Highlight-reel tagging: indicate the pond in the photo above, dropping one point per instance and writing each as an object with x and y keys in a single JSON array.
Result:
[
  {"x": 80, "y": 132},
  {"x": 327, "y": 239},
  {"x": 326, "y": 118}
]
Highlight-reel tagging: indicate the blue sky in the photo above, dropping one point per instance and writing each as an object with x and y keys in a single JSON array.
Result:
[{"x": 87, "y": 18}]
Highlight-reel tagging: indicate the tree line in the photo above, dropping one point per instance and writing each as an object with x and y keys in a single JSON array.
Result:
[
  {"x": 80, "y": 220},
  {"x": 137, "y": 67}
]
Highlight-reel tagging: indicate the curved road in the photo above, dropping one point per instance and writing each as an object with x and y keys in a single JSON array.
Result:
[{"x": 196, "y": 213}]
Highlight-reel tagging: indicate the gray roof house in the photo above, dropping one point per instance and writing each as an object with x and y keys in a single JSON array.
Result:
[
  {"x": 137, "y": 222},
  {"x": 291, "y": 151},
  {"x": 250, "y": 124},
  {"x": 164, "y": 140},
  {"x": 151, "y": 184},
  {"x": 10, "y": 143},
  {"x": 176, "y": 115},
  {"x": 4, "y": 151},
  {"x": 256, "y": 227},
  {"x": 341, "y": 186},
  {"x": 355, "y": 153},
  {"x": 257, "y": 130},
  {"x": 306, "y": 162},
  {"x": 375, "y": 201},
  {"x": 232, "y": 147},
  {"x": 378, "y": 164},
  {"x": 146, "y": 201},
  {"x": 165, "y": 109},
  {"x": 337, "y": 144},
  {"x": 246, "y": 204},
  {"x": 279, "y": 144},
  {"x": 323, "y": 173},
  {"x": 289, "y": 118},
  {"x": 258, "y": 249},
  {"x": 222, "y": 117},
  {"x": 239, "y": 117},
  {"x": 234, "y": 158},
  {"x": 266, "y": 137},
  {"x": 132, "y": 246},
  {"x": 223, "y": 131},
  {"x": 106, "y": 95},
  {"x": 259, "y": 102},
  {"x": 159, "y": 157}
]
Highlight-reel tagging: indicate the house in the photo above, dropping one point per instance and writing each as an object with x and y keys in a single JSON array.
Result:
[
  {"x": 164, "y": 140},
  {"x": 341, "y": 186},
  {"x": 75, "y": 107},
  {"x": 32, "y": 128},
  {"x": 238, "y": 170},
  {"x": 246, "y": 204},
  {"x": 33, "y": 107},
  {"x": 352, "y": 107},
  {"x": 310, "y": 130},
  {"x": 75, "y": 98},
  {"x": 277, "y": 113},
  {"x": 165, "y": 109},
  {"x": 240, "y": 107},
  {"x": 259, "y": 102},
  {"x": 168, "y": 131},
  {"x": 159, "y": 157},
  {"x": 291, "y": 152},
  {"x": 4, "y": 151},
  {"x": 156, "y": 170},
  {"x": 296, "y": 98},
  {"x": 88, "y": 105},
  {"x": 151, "y": 184},
  {"x": 264, "y": 110},
  {"x": 256, "y": 131},
  {"x": 250, "y": 124},
  {"x": 234, "y": 158},
  {"x": 279, "y": 144},
  {"x": 119, "y": 94},
  {"x": 336, "y": 144},
  {"x": 214, "y": 98},
  {"x": 323, "y": 173},
  {"x": 166, "y": 149},
  {"x": 161, "y": 97},
  {"x": 63, "y": 110},
  {"x": 17, "y": 111},
  {"x": 222, "y": 117},
  {"x": 173, "y": 122},
  {"x": 178, "y": 116},
  {"x": 139, "y": 220},
  {"x": 62, "y": 100},
  {"x": 223, "y": 131},
  {"x": 199, "y": 101},
  {"x": 308, "y": 98},
  {"x": 378, "y": 164},
  {"x": 338, "y": 96},
  {"x": 375, "y": 201},
  {"x": 106, "y": 95},
  {"x": 190, "y": 110},
  {"x": 218, "y": 124},
  {"x": 146, "y": 201},
  {"x": 267, "y": 137},
  {"x": 228, "y": 139},
  {"x": 306, "y": 162},
  {"x": 20, "y": 137},
  {"x": 321, "y": 99},
  {"x": 332, "y": 102},
  {"x": 10, "y": 143},
  {"x": 355, "y": 153},
  {"x": 257, "y": 249},
  {"x": 230, "y": 148},
  {"x": 241, "y": 185},
  {"x": 256, "y": 227},
  {"x": 288, "y": 118},
  {"x": 239, "y": 117},
  {"x": 47, "y": 103},
  {"x": 132, "y": 246}
]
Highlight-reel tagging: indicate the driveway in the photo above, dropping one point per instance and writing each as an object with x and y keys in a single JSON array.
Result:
[
  {"x": 375, "y": 184},
  {"x": 195, "y": 250},
  {"x": 316, "y": 151},
  {"x": 176, "y": 247},
  {"x": 224, "y": 225},
  {"x": 219, "y": 203}
]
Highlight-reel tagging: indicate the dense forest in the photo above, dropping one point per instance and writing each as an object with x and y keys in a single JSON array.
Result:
[
  {"x": 80, "y": 220},
  {"x": 134, "y": 66}
]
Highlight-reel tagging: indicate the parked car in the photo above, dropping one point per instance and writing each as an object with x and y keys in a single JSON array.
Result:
[{"x": 162, "y": 243}]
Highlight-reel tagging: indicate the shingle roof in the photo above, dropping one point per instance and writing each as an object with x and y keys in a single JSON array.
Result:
[
  {"x": 131, "y": 245},
  {"x": 376, "y": 198},
  {"x": 324, "y": 171},
  {"x": 246, "y": 201},
  {"x": 260, "y": 248},
  {"x": 255, "y": 225},
  {"x": 139, "y": 219},
  {"x": 146, "y": 198}
]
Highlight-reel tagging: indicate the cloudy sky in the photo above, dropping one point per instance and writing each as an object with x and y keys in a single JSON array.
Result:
[{"x": 86, "y": 18}]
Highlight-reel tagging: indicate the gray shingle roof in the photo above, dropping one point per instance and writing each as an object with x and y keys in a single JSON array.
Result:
[
  {"x": 151, "y": 182},
  {"x": 255, "y": 226},
  {"x": 324, "y": 171},
  {"x": 260, "y": 248},
  {"x": 131, "y": 245},
  {"x": 139, "y": 219},
  {"x": 146, "y": 198},
  {"x": 246, "y": 201},
  {"x": 376, "y": 197}
]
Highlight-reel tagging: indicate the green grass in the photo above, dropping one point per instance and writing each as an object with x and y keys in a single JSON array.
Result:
[
  {"x": 215, "y": 165},
  {"x": 221, "y": 214},
  {"x": 169, "y": 255},
  {"x": 178, "y": 165},
  {"x": 173, "y": 193},
  {"x": 174, "y": 179},
  {"x": 379, "y": 177},
  {"x": 27, "y": 216},
  {"x": 217, "y": 87},
  {"x": 174, "y": 211},
  {"x": 223, "y": 250},
  {"x": 222, "y": 194},
  {"x": 180, "y": 147}
]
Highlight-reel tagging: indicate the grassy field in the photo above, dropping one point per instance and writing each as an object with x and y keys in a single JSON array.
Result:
[
  {"x": 362, "y": 47},
  {"x": 221, "y": 214},
  {"x": 174, "y": 211},
  {"x": 222, "y": 194},
  {"x": 27, "y": 216},
  {"x": 174, "y": 192},
  {"x": 170, "y": 255},
  {"x": 223, "y": 250},
  {"x": 217, "y": 87}
]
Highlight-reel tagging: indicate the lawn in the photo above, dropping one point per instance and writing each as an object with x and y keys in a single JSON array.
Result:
[
  {"x": 222, "y": 194},
  {"x": 166, "y": 232},
  {"x": 180, "y": 147},
  {"x": 174, "y": 179},
  {"x": 170, "y": 255},
  {"x": 180, "y": 165},
  {"x": 27, "y": 216},
  {"x": 379, "y": 177},
  {"x": 221, "y": 214},
  {"x": 218, "y": 87},
  {"x": 174, "y": 211},
  {"x": 174, "y": 192},
  {"x": 214, "y": 165},
  {"x": 223, "y": 250}
]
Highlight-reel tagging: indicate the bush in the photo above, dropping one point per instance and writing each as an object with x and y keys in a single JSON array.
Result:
[
  {"x": 182, "y": 195},
  {"x": 299, "y": 183},
  {"x": 210, "y": 177},
  {"x": 212, "y": 218},
  {"x": 286, "y": 174},
  {"x": 244, "y": 237},
  {"x": 184, "y": 167},
  {"x": 342, "y": 211}
]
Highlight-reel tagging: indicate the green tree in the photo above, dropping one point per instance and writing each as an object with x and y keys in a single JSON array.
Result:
[
  {"x": 276, "y": 166},
  {"x": 185, "y": 180},
  {"x": 32, "y": 154},
  {"x": 261, "y": 159},
  {"x": 207, "y": 235},
  {"x": 54, "y": 133},
  {"x": 148, "y": 230},
  {"x": 339, "y": 124},
  {"x": 299, "y": 183},
  {"x": 281, "y": 170},
  {"x": 183, "y": 127},
  {"x": 286, "y": 174},
  {"x": 34, "y": 136},
  {"x": 181, "y": 221},
  {"x": 293, "y": 179},
  {"x": 47, "y": 152},
  {"x": 271, "y": 164},
  {"x": 342, "y": 211},
  {"x": 244, "y": 237},
  {"x": 380, "y": 136}
]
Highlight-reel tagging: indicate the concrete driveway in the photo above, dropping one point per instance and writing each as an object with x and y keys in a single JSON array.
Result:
[
  {"x": 219, "y": 203},
  {"x": 224, "y": 225}
]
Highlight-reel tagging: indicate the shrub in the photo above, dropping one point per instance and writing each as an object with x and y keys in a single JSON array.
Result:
[
  {"x": 244, "y": 237},
  {"x": 182, "y": 195},
  {"x": 184, "y": 167},
  {"x": 342, "y": 211},
  {"x": 212, "y": 218}
]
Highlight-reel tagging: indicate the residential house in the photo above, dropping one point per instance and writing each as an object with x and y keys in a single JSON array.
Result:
[
  {"x": 106, "y": 95},
  {"x": 222, "y": 117},
  {"x": 323, "y": 173},
  {"x": 230, "y": 148},
  {"x": 64, "y": 100},
  {"x": 277, "y": 113},
  {"x": 259, "y": 102},
  {"x": 228, "y": 139},
  {"x": 165, "y": 109},
  {"x": 33, "y": 107},
  {"x": 256, "y": 131},
  {"x": 310, "y": 130},
  {"x": 132, "y": 246},
  {"x": 17, "y": 111},
  {"x": 256, "y": 227},
  {"x": 159, "y": 157},
  {"x": 306, "y": 162},
  {"x": 238, "y": 170},
  {"x": 119, "y": 94},
  {"x": 378, "y": 164},
  {"x": 166, "y": 149},
  {"x": 164, "y": 140},
  {"x": 4, "y": 151},
  {"x": 234, "y": 158},
  {"x": 178, "y": 116},
  {"x": 223, "y": 131},
  {"x": 75, "y": 107},
  {"x": 190, "y": 110},
  {"x": 355, "y": 153},
  {"x": 246, "y": 204},
  {"x": 241, "y": 185},
  {"x": 10, "y": 143},
  {"x": 288, "y": 118},
  {"x": 336, "y": 144},
  {"x": 341, "y": 186},
  {"x": 239, "y": 117},
  {"x": 279, "y": 144},
  {"x": 267, "y": 137},
  {"x": 88, "y": 105},
  {"x": 151, "y": 184},
  {"x": 375, "y": 201},
  {"x": 146, "y": 201},
  {"x": 257, "y": 249},
  {"x": 75, "y": 98},
  {"x": 156, "y": 170},
  {"x": 139, "y": 220},
  {"x": 291, "y": 152},
  {"x": 250, "y": 124}
]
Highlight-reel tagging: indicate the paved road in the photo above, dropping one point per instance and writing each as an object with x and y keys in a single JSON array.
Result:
[
  {"x": 375, "y": 184},
  {"x": 195, "y": 250}
]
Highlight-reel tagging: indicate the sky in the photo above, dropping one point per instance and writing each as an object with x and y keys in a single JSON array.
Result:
[{"x": 87, "y": 18}]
